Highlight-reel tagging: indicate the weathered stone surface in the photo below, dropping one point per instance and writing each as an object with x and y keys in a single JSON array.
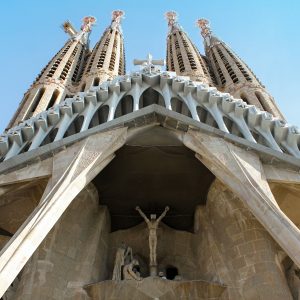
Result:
[
  {"x": 242, "y": 172},
  {"x": 237, "y": 250},
  {"x": 281, "y": 175},
  {"x": 35, "y": 171},
  {"x": 174, "y": 248},
  {"x": 73, "y": 169},
  {"x": 18, "y": 202},
  {"x": 155, "y": 288},
  {"x": 72, "y": 255}
]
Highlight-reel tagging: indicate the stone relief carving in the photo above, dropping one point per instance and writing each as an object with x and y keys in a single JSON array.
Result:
[
  {"x": 152, "y": 226},
  {"x": 293, "y": 279},
  {"x": 123, "y": 256},
  {"x": 130, "y": 272}
]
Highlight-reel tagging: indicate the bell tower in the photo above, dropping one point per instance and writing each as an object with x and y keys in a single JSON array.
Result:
[
  {"x": 233, "y": 74},
  {"x": 59, "y": 76},
  {"x": 150, "y": 185},
  {"x": 182, "y": 55},
  {"x": 107, "y": 59}
]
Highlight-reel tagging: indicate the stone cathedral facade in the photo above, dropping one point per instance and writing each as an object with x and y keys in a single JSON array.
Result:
[{"x": 156, "y": 184}]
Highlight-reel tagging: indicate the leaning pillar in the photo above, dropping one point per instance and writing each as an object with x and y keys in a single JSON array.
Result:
[
  {"x": 243, "y": 173},
  {"x": 73, "y": 169},
  {"x": 72, "y": 255}
]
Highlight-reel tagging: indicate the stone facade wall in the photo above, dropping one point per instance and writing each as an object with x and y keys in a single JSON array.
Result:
[
  {"x": 73, "y": 254},
  {"x": 174, "y": 248},
  {"x": 228, "y": 248},
  {"x": 237, "y": 251}
]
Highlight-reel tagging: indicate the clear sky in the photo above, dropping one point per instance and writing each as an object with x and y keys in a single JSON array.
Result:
[{"x": 264, "y": 33}]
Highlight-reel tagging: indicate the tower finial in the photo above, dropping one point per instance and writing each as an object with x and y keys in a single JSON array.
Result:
[
  {"x": 87, "y": 23},
  {"x": 69, "y": 28},
  {"x": 203, "y": 24},
  {"x": 172, "y": 17},
  {"x": 117, "y": 16}
]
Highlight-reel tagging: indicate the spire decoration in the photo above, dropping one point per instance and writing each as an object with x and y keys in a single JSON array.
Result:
[
  {"x": 183, "y": 56},
  {"x": 233, "y": 74},
  {"x": 205, "y": 27},
  {"x": 172, "y": 17},
  {"x": 60, "y": 76},
  {"x": 87, "y": 23},
  {"x": 107, "y": 59},
  {"x": 117, "y": 16}
]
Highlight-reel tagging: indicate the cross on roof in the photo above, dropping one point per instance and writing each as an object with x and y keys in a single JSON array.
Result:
[{"x": 149, "y": 63}]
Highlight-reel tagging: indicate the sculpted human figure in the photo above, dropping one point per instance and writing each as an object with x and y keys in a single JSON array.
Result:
[
  {"x": 293, "y": 279},
  {"x": 129, "y": 273},
  {"x": 152, "y": 226},
  {"x": 123, "y": 255}
]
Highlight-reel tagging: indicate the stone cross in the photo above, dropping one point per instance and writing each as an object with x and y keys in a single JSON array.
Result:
[{"x": 149, "y": 63}]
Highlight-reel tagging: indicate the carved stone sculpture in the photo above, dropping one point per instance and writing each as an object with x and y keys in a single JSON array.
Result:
[
  {"x": 129, "y": 273},
  {"x": 123, "y": 256},
  {"x": 152, "y": 226},
  {"x": 293, "y": 279}
]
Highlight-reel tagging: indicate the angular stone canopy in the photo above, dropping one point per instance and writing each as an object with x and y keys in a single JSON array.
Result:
[{"x": 130, "y": 93}]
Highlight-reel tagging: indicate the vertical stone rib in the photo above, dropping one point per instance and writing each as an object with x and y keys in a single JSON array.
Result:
[
  {"x": 183, "y": 56},
  {"x": 233, "y": 75},
  {"x": 58, "y": 77},
  {"x": 107, "y": 59}
]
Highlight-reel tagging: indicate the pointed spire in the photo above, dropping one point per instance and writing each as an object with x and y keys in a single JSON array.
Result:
[
  {"x": 209, "y": 38},
  {"x": 88, "y": 22},
  {"x": 117, "y": 16},
  {"x": 183, "y": 57},
  {"x": 205, "y": 28},
  {"x": 85, "y": 29},
  {"x": 107, "y": 59},
  {"x": 233, "y": 74},
  {"x": 172, "y": 18},
  {"x": 57, "y": 79}
]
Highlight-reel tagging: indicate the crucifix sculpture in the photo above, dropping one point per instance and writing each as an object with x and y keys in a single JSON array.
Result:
[
  {"x": 153, "y": 226},
  {"x": 149, "y": 63}
]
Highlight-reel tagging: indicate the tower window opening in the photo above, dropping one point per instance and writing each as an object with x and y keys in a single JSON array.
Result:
[
  {"x": 261, "y": 100},
  {"x": 112, "y": 61},
  {"x": 107, "y": 42},
  {"x": 203, "y": 63},
  {"x": 121, "y": 69},
  {"x": 228, "y": 66},
  {"x": 83, "y": 87},
  {"x": 96, "y": 81},
  {"x": 35, "y": 102},
  {"x": 220, "y": 73},
  {"x": 244, "y": 98},
  {"x": 53, "y": 99},
  {"x": 239, "y": 65},
  {"x": 79, "y": 63}
]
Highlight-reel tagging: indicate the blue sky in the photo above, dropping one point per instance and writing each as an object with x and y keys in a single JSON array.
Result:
[{"x": 265, "y": 34}]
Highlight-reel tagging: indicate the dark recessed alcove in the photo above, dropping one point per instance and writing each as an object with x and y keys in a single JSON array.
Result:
[{"x": 152, "y": 177}]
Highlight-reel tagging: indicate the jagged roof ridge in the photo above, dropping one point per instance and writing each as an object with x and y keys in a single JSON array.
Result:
[{"x": 253, "y": 124}]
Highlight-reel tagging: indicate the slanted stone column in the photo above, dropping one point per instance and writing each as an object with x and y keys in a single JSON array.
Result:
[
  {"x": 243, "y": 173},
  {"x": 72, "y": 255},
  {"x": 248, "y": 251},
  {"x": 73, "y": 169}
]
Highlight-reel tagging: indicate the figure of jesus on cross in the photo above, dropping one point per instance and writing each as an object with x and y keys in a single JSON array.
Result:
[{"x": 152, "y": 226}]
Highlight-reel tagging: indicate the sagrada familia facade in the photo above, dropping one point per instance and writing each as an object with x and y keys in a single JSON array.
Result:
[{"x": 156, "y": 184}]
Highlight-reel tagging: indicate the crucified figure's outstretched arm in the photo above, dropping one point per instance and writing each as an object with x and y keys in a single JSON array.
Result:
[
  {"x": 142, "y": 214},
  {"x": 163, "y": 214}
]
